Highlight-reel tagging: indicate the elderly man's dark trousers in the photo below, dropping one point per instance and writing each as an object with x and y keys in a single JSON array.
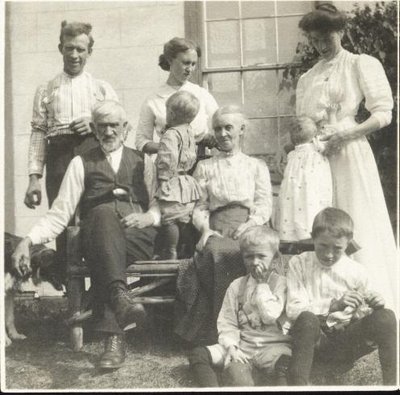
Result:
[
  {"x": 109, "y": 248},
  {"x": 347, "y": 345}
]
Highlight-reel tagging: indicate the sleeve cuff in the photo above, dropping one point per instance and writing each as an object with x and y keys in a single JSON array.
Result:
[
  {"x": 257, "y": 219},
  {"x": 155, "y": 213},
  {"x": 228, "y": 342},
  {"x": 36, "y": 169},
  {"x": 200, "y": 219},
  {"x": 264, "y": 290},
  {"x": 34, "y": 237},
  {"x": 141, "y": 143},
  {"x": 384, "y": 118}
]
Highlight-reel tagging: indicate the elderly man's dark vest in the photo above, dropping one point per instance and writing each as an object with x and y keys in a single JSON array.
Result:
[{"x": 101, "y": 182}]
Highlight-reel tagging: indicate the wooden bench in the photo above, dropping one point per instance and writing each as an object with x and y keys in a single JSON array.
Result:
[{"x": 160, "y": 272}]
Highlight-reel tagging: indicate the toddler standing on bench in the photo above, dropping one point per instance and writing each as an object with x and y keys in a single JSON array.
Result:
[
  {"x": 177, "y": 190},
  {"x": 250, "y": 334},
  {"x": 334, "y": 311}
]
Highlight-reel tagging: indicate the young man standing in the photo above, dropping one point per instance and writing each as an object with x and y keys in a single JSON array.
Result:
[{"x": 61, "y": 116}]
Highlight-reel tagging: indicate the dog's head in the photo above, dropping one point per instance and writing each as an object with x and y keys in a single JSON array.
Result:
[{"x": 44, "y": 269}]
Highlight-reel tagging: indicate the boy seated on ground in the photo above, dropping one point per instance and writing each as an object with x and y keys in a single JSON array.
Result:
[
  {"x": 250, "y": 335},
  {"x": 333, "y": 310}
]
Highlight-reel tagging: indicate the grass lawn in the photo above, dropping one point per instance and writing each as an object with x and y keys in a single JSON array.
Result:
[{"x": 156, "y": 359}]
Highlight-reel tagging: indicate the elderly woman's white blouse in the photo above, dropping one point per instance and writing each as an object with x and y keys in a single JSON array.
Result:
[
  {"x": 152, "y": 118},
  {"x": 347, "y": 79},
  {"x": 237, "y": 178}
]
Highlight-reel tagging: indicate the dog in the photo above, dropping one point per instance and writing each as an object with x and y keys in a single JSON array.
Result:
[{"x": 42, "y": 269}]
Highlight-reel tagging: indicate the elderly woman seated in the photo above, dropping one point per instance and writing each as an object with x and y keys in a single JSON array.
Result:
[{"x": 236, "y": 194}]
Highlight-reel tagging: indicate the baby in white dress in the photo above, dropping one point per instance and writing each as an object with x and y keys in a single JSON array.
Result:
[{"x": 306, "y": 187}]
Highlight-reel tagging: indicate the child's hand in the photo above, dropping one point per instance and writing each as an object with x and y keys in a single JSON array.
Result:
[
  {"x": 260, "y": 274},
  {"x": 241, "y": 228},
  {"x": 205, "y": 236},
  {"x": 350, "y": 298},
  {"x": 334, "y": 143},
  {"x": 235, "y": 355},
  {"x": 374, "y": 300},
  {"x": 209, "y": 140},
  {"x": 164, "y": 187}
]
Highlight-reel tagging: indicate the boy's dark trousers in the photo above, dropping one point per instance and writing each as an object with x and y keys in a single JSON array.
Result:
[
  {"x": 349, "y": 343},
  {"x": 236, "y": 374}
]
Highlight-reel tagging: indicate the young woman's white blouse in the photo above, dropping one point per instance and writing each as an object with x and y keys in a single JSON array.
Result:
[
  {"x": 348, "y": 79},
  {"x": 152, "y": 118}
]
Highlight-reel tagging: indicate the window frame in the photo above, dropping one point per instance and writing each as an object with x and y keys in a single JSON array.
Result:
[{"x": 196, "y": 29}]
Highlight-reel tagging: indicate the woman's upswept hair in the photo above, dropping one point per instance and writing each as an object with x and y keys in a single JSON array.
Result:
[
  {"x": 74, "y": 29},
  {"x": 335, "y": 221},
  {"x": 259, "y": 235},
  {"x": 229, "y": 109},
  {"x": 173, "y": 47},
  {"x": 326, "y": 18}
]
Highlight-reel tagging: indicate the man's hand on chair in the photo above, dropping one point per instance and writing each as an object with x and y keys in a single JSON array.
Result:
[
  {"x": 138, "y": 220},
  {"x": 20, "y": 259}
]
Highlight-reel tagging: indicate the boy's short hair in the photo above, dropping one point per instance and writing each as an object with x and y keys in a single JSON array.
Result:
[
  {"x": 335, "y": 221},
  {"x": 184, "y": 106},
  {"x": 257, "y": 235},
  {"x": 74, "y": 29}
]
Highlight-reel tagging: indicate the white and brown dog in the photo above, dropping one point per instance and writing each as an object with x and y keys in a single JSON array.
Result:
[{"x": 42, "y": 269}]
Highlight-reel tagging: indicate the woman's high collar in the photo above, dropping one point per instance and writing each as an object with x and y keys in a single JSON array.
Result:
[
  {"x": 230, "y": 154},
  {"x": 166, "y": 90},
  {"x": 335, "y": 59}
]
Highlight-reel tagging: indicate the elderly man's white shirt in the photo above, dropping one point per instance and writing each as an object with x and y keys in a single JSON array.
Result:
[{"x": 71, "y": 190}]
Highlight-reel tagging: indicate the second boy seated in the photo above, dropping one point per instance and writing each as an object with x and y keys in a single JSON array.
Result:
[
  {"x": 250, "y": 321},
  {"x": 332, "y": 306}
]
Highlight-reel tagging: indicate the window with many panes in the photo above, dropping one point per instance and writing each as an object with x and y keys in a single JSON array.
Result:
[{"x": 246, "y": 46}]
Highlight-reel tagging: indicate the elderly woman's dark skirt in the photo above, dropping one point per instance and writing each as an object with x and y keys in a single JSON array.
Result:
[{"x": 202, "y": 286}]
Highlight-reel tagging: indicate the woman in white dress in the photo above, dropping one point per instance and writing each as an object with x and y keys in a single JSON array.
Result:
[
  {"x": 345, "y": 79},
  {"x": 180, "y": 57}
]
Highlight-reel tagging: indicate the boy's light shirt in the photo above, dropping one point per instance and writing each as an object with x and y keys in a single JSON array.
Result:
[
  {"x": 312, "y": 286},
  {"x": 263, "y": 305}
]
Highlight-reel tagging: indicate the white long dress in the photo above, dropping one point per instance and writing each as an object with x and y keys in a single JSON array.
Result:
[
  {"x": 306, "y": 189},
  {"x": 356, "y": 183}
]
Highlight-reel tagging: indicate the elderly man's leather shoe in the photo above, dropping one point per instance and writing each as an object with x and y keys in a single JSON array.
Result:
[
  {"x": 126, "y": 312},
  {"x": 114, "y": 352}
]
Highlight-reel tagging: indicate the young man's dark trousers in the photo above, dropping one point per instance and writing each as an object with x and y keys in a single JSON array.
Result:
[
  {"x": 60, "y": 151},
  {"x": 347, "y": 344}
]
